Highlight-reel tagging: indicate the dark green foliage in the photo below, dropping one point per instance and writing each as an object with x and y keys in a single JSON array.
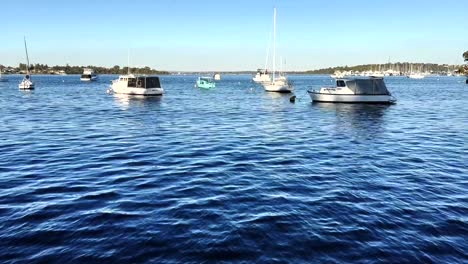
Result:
[{"x": 46, "y": 69}]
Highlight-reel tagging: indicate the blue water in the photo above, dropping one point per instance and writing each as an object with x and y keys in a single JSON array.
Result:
[{"x": 232, "y": 174}]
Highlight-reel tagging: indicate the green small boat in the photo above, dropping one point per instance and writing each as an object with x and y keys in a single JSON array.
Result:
[{"x": 205, "y": 83}]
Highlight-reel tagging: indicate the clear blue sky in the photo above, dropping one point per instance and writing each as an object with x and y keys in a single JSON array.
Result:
[{"x": 233, "y": 35}]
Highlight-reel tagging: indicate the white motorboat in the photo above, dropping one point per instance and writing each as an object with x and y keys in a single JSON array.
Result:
[
  {"x": 26, "y": 83},
  {"x": 217, "y": 77},
  {"x": 137, "y": 85},
  {"x": 88, "y": 75},
  {"x": 354, "y": 90},
  {"x": 277, "y": 84},
  {"x": 262, "y": 76}
]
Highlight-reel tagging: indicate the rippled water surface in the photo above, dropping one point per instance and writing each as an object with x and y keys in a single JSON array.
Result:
[{"x": 232, "y": 174}]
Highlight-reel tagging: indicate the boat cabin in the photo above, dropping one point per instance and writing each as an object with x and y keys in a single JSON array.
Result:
[
  {"x": 364, "y": 86},
  {"x": 206, "y": 80},
  {"x": 141, "y": 81},
  {"x": 262, "y": 71}
]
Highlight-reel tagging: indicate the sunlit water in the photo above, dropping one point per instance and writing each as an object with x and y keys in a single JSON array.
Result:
[{"x": 232, "y": 174}]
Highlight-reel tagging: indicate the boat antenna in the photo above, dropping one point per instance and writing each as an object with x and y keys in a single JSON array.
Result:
[{"x": 27, "y": 56}]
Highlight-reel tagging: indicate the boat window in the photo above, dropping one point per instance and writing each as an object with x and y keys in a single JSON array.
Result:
[
  {"x": 153, "y": 82},
  {"x": 131, "y": 82},
  {"x": 340, "y": 83},
  {"x": 140, "y": 83}
]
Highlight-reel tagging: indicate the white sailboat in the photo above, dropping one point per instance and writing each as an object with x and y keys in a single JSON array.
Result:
[
  {"x": 280, "y": 84},
  {"x": 26, "y": 83}
]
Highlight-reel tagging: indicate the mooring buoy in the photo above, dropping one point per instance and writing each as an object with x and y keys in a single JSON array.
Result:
[{"x": 292, "y": 99}]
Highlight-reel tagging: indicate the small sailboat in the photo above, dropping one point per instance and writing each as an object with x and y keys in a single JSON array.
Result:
[
  {"x": 26, "y": 83},
  {"x": 205, "y": 83},
  {"x": 280, "y": 84}
]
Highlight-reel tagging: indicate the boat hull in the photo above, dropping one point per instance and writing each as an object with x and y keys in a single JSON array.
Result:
[
  {"x": 139, "y": 91},
  {"x": 262, "y": 79},
  {"x": 284, "y": 88},
  {"x": 351, "y": 98},
  {"x": 206, "y": 86},
  {"x": 88, "y": 79},
  {"x": 94, "y": 78},
  {"x": 26, "y": 86}
]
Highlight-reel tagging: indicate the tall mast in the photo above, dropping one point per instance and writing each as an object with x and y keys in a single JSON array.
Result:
[
  {"x": 274, "y": 43},
  {"x": 268, "y": 51},
  {"x": 27, "y": 57}
]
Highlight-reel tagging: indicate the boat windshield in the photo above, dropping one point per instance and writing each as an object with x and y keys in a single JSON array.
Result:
[
  {"x": 153, "y": 82},
  {"x": 144, "y": 82},
  {"x": 86, "y": 76},
  {"x": 206, "y": 79},
  {"x": 340, "y": 83}
]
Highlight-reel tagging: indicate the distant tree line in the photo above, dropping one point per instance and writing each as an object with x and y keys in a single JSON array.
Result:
[{"x": 46, "y": 69}]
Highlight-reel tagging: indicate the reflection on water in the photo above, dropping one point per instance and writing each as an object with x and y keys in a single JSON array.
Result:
[
  {"x": 273, "y": 95},
  {"x": 125, "y": 101},
  {"x": 360, "y": 120},
  {"x": 27, "y": 92}
]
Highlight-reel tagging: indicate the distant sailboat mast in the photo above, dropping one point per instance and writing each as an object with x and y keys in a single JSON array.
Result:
[
  {"x": 274, "y": 43},
  {"x": 27, "y": 56},
  {"x": 267, "y": 52}
]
